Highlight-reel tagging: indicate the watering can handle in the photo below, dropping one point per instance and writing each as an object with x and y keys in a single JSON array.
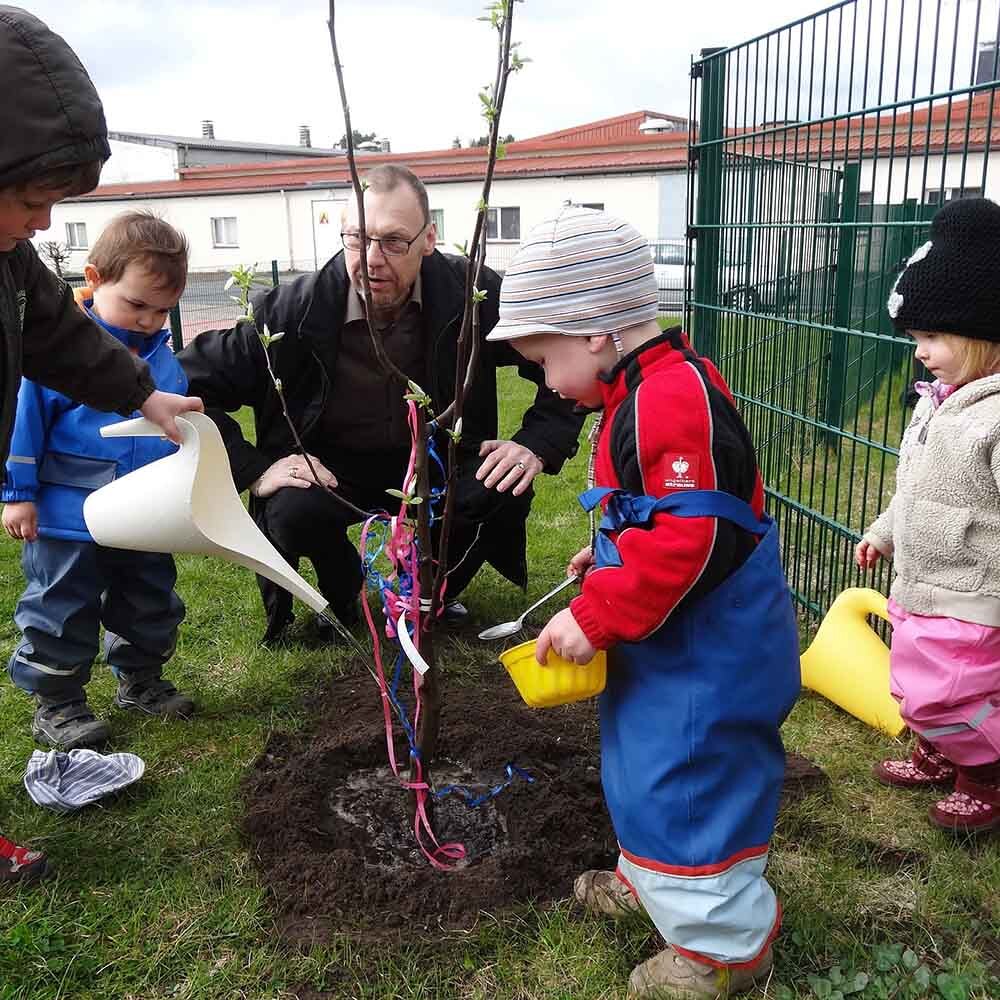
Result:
[
  {"x": 870, "y": 602},
  {"x": 141, "y": 427},
  {"x": 136, "y": 427}
]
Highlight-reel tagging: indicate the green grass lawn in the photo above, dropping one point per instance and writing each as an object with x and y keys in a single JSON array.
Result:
[{"x": 155, "y": 896}]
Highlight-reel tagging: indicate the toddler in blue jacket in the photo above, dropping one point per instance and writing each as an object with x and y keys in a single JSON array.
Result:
[{"x": 135, "y": 274}]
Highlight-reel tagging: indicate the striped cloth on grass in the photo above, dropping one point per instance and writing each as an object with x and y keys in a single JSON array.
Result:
[
  {"x": 65, "y": 782},
  {"x": 580, "y": 273}
]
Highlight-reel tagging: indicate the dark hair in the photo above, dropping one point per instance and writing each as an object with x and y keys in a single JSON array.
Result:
[
  {"x": 72, "y": 181},
  {"x": 389, "y": 176},
  {"x": 141, "y": 238}
]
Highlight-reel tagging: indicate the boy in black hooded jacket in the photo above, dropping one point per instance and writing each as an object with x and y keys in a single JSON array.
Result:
[{"x": 54, "y": 145}]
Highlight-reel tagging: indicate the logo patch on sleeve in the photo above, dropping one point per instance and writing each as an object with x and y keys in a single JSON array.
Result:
[{"x": 682, "y": 472}]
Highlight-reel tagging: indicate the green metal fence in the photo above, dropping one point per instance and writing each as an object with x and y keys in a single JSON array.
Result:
[
  {"x": 822, "y": 150},
  {"x": 206, "y": 305}
]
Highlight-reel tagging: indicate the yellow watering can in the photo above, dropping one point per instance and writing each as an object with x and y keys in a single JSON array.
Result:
[{"x": 849, "y": 664}]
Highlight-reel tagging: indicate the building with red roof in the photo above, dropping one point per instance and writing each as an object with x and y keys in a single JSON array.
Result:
[{"x": 288, "y": 208}]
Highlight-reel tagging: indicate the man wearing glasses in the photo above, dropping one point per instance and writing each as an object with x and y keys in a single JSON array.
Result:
[{"x": 352, "y": 418}]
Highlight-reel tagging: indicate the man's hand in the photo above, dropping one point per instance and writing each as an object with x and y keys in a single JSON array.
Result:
[
  {"x": 507, "y": 465},
  {"x": 162, "y": 407},
  {"x": 20, "y": 520},
  {"x": 292, "y": 470},
  {"x": 866, "y": 555},
  {"x": 564, "y": 637},
  {"x": 581, "y": 563}
]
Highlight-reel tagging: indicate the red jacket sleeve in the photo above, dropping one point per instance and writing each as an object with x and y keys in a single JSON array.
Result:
[{"x": 660, "y": 564}]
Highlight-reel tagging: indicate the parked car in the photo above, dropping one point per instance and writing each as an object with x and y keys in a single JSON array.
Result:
[
  {"x": 737, "y": 292},
  {"x": 669, "y": 257}
]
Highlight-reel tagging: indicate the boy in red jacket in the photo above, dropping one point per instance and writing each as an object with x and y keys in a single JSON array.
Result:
[{"x": 684, "y": 588}]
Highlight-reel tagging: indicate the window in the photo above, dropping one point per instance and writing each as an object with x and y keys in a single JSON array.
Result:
[
  {"x": 76, "y": 235},
  {"x": 937, "y": 196},
  {"x": 437, "y": 217},
  {"x": 224, "y": 232},
  {"x": 510, "y": 224},
  {"x": 597, "y": 205}
]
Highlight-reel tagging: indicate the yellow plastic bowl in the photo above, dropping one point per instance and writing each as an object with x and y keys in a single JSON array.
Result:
[{"x": 557, "y": 683}]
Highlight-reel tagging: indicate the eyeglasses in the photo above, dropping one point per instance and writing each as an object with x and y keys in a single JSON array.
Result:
[{"x": 391, "y": 246}]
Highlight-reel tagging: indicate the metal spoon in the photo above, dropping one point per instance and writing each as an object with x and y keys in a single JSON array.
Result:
[{"x": 509, "y": 628}]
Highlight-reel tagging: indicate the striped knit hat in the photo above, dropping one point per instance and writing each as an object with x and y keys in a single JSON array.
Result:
[{"x": 582, "y": 273}]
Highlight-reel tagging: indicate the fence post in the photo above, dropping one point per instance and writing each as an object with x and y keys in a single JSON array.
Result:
[
  {"x": 709, "y": 201},
  {"x": 843, "y": 294},
  {"x": 176, "y": 329},
  {"x": 274, "y": 273}
]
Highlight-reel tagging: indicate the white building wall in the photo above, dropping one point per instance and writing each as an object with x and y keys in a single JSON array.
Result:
[
  {"x": 673, "y": 205},
  {"x": 289, "y": 226},
  {"x": 133, "y": 162},
  {"x": 893, "y": 182},
  {"x": 260, "y": 220},
  {"x": 632, "y": 196}
]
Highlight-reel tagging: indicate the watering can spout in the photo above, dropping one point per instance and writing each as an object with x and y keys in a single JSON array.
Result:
[{"x": 187, "y": 502}]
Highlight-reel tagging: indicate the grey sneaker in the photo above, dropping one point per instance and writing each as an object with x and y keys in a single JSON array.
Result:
[
  {"x": 65, "y": 722},
  {"x": 153, "y": 696}
]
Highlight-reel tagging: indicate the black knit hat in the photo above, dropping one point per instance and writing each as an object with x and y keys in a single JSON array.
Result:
[{"x": 952, "y": 283}]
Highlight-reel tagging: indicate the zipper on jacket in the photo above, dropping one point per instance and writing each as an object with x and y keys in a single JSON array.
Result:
[
  {"x": 435, "y": 352},
  {"x": 324, "y": 381}
]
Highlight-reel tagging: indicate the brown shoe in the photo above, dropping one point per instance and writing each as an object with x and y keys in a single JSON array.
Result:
[
  {"x": 926, "y": 768},
  {"x": 604, "y": 892},
  {"x": 671, "y": 974},
  {"x": 974, "y": 806}
]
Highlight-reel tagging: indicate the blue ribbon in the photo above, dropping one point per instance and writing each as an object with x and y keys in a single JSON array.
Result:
[{"x": 475, "y": 801}]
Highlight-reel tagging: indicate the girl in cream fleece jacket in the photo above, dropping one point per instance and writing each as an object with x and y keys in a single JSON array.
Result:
[{"x": 942, "y": 526}]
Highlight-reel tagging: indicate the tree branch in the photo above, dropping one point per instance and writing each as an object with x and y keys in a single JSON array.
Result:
[
  {"x": 469, "y": 341},
  {"x": 359, "y": 192}
]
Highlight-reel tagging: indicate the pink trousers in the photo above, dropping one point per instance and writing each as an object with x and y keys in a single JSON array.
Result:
[{"x": 945, "y": 674}]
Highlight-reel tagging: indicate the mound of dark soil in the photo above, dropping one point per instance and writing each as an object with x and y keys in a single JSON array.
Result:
[{"x": 331, "y": 827}]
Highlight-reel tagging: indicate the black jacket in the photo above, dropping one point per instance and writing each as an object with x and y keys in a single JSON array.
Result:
[
  {"x": 51, "y": 117},
  {"x": 227, "y": 368}
]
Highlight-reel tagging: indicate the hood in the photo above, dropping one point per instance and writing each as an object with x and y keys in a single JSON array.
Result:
[
  {"x": 139, "y": 343},
  {"x": 51, "y": 116}
]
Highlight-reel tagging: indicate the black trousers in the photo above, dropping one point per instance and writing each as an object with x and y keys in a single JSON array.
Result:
[{"x": 309, "y": 524}]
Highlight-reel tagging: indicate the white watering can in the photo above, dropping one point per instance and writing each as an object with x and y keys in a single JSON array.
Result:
[{"x": 187, "y": 502}]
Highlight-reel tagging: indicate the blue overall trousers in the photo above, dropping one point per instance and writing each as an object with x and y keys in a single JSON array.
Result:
[{"x": 691, "y": 756}]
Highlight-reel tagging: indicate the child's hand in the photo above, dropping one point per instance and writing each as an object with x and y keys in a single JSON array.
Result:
[
  {"x": 565, "y": 638},
  {"x": 866, "y": 555},
  {"x": 581, "y": 562},
  {"x": 20, "y": 520},
  {"x": 162, "y": 407}
]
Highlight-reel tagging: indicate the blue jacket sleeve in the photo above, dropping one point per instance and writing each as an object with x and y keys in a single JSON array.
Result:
[{"x": 36, "y": 409}]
